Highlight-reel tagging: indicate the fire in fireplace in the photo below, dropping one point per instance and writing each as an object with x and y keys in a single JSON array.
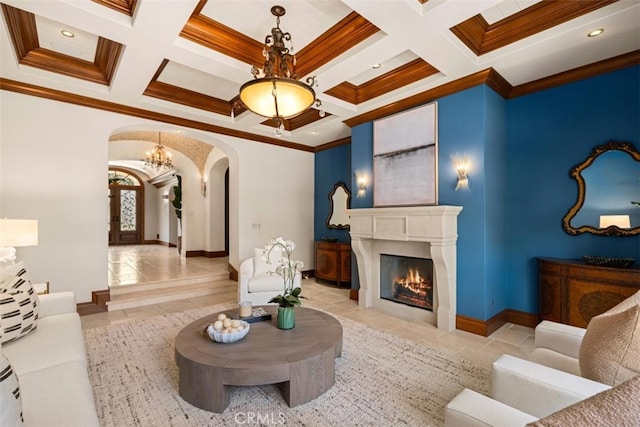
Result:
[{"x": 407, "y": 280}]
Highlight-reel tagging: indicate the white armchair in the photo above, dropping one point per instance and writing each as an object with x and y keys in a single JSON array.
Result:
[
  {"x": 256, "y": 283},
  {"x": 607, "y": 351}
]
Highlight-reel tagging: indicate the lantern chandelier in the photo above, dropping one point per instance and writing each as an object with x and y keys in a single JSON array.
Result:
[
  {"x": 275, "y": 92},
  {"x": 159, "y": 157}
]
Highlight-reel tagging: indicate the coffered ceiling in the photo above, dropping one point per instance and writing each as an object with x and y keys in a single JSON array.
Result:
[{"x": 183, "y": 61}]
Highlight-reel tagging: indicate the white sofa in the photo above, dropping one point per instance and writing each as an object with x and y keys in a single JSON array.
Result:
[
  {"x": 522, "y": 392},
  {"x": 51, "y": 365},
  {"x": 554, "y": 385},
  {"x": 257, "y": 281}
]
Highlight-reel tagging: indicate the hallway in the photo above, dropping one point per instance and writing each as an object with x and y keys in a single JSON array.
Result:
[
  {"x": 138, "y": 264},
  {"x": 142, "y": 275}
]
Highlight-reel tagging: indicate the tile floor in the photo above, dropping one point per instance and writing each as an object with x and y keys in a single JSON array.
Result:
[{"x": 511, "y": 339}]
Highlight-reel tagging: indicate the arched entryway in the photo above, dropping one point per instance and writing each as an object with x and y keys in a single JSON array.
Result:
[{"x": 126, "y": 207}]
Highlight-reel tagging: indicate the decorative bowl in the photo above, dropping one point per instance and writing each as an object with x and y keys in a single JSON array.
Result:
[
  {"x": 228, "y": 337},
  {"x": 608, "y": 261}
]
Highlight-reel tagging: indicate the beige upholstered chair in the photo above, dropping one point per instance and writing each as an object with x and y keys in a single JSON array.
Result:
[
  {"x": 567, "y": 366},
  {"x": 258, "y": 282}
]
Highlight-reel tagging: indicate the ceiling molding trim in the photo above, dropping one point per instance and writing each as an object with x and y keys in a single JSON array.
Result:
[
  {"x": 187, "y": 97},
  {"x": 333, "y": 144},
  {"x": 408, "y": 73},
  {"x": 22, "y": 29},
  {"x": 123, "y": 6},
  {"x": 24, "y": 35},
  {"x": 494, "y": 80},
  {"x": 349, "y": 32},
  {"x": 308, "y": 116},
  {"x": 461, "y": 84},
  {"x": 346, "y": 91},
  {"x": 85, "y": 101},
  {"x": 213, "y": 35},
  {"x": 481, "y": 38},
  {"x": 601, "y": 67}
]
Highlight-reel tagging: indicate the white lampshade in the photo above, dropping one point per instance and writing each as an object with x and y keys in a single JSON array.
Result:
[
  {"x": 18, "y": 232},
  {"x": 620, "y": 221}
]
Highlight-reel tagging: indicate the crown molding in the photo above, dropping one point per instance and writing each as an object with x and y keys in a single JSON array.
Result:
[{"x": 85, "y": 101}]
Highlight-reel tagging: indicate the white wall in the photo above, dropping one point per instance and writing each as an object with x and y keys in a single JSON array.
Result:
[{"x": 53, "y": 168}]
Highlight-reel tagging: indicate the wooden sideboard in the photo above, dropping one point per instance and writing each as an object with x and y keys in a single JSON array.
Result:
[
  {"x": 333, "y": 262},
  {"x": 572, "y": 291}
]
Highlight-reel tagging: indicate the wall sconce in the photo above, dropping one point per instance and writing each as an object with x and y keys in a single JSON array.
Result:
[
  {"x": 203, "y": 185},
  {"x": 361, "y": 183},
  {"x": 16, "y": 233},
  {"x": 620, "y": 221},
  {"x": 462, "y": 166}
]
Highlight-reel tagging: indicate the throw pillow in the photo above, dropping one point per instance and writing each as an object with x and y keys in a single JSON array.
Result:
[
  {"x": 10, "y": 400},
  {"x": 610, "y": 349},
  {"x": 17, "y": 315},
  {"x": 20, "y": 281},
  {"x": 618, "y": 406}
]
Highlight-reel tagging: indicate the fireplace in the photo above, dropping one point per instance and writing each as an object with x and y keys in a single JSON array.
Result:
[
  {"x": 407, "y": 280},
  {"x": 418, "y": 232}
]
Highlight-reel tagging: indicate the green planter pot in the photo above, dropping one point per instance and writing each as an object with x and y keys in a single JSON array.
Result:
[{"x": 286, "y": 317}]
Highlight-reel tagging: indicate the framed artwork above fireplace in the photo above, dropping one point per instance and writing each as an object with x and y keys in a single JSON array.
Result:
[{"x": 405, "y": 158}]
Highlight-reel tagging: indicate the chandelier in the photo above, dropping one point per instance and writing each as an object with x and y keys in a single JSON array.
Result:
[
  {"x": 159, "y": 157},
  {"x": 275, "y": 92}
]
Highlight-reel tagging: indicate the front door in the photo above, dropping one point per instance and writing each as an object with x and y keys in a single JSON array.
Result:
[{"x": 125, "y": 209}]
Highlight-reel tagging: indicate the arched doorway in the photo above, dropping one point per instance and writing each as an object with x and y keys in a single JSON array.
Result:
[{"x": 126, "y": 207}]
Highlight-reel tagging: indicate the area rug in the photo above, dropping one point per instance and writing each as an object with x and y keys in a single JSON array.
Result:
[{"x": 381, "y": 380}]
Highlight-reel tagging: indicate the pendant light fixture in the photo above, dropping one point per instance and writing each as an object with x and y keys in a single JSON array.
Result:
[
  {"x": 159, "y": 157},
  {"x": 275, "y": 92}
]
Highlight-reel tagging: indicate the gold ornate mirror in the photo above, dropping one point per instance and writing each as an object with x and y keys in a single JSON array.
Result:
[
  {"x": 339, "y": 202},
  {"x": 608, "y": 192}
]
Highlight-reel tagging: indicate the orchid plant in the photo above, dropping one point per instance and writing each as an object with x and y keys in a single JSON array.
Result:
[{"x": 287, "y": 268}]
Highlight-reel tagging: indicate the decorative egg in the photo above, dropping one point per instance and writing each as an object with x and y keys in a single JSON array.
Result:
[
  {"x": 236, "y": 322},
  {"x": 222, "y": 316},
  {"x": 217, "y": 325},
  {"x": 226, "y": 323}
]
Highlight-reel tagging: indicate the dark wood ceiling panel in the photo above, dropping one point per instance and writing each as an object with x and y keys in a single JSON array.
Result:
[
  {"x": 309, "y": 116},
  {"x": 213, "y": 35},
  {"x": 24, "y": 35},
  {"x": 188, "y": 97},
  {"x": 123, "y": 6},
  {"x": 481, "y": 37},
  {"x": 22, "y": 29},
  {"x": 406, "y": 74},
  {"x": 349, "y": 32}
]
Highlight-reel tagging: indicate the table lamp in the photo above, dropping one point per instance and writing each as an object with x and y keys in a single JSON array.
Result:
[{"x": 16, "y": 233}]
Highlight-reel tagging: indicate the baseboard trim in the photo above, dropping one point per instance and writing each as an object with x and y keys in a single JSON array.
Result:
[
  {"x": 98, "y": 303},
  {"x": 233, "y": 273},
  {"x": 486, "y": 328},
  {"x": 354, "y": 294},
  {"x": 202, "y": 253}
]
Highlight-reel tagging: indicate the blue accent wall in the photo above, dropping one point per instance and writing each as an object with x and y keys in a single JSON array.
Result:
[
  {"x": 331, "y": 166},
  {"x": 521, "y": 152},
  {"x": 550, "y": 132}
]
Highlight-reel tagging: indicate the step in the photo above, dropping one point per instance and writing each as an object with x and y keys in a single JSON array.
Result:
[
  {"x": 167, "y": 294},
  {"x": 168, "y": 283}
]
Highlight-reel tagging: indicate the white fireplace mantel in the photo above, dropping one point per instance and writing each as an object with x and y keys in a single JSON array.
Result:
[{"x": 436, "y": 226}]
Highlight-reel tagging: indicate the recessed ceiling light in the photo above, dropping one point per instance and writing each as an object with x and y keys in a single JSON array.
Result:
[
  {"x": 595, "y": 32},
  {"x": 67, "y": 33},
  {"x": 375, "y": 66}
]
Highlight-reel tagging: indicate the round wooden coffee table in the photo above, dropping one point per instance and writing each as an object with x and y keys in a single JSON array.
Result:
[{"x": 302, "y": 359}]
